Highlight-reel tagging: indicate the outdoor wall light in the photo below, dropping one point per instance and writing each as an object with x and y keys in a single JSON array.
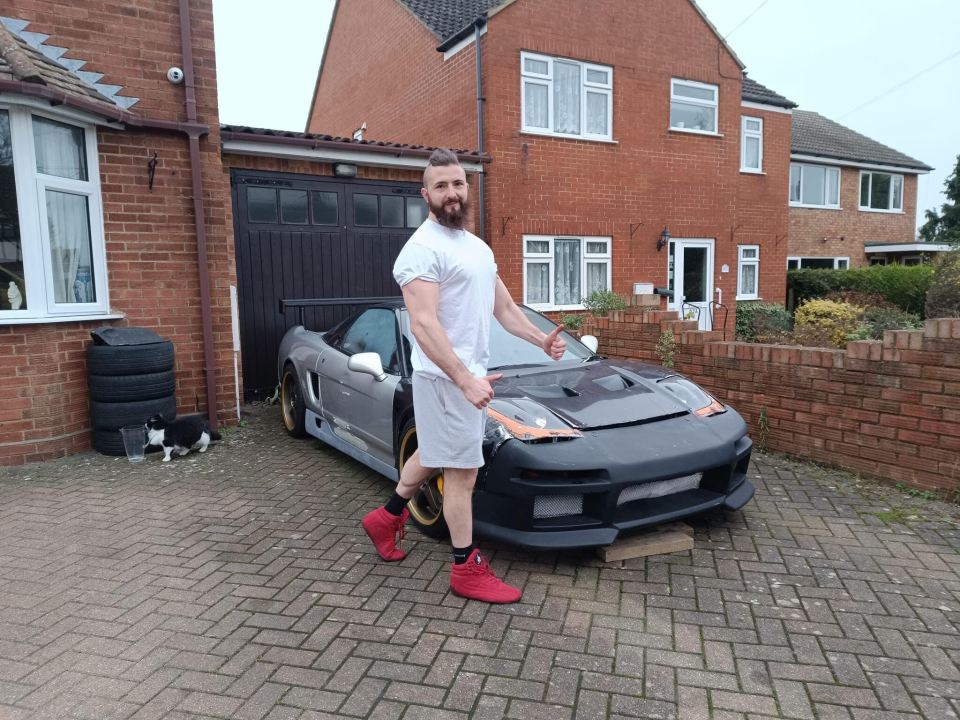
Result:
[
  {"x": 345, "y": 170},
  {"x": 664, "y": 239}
]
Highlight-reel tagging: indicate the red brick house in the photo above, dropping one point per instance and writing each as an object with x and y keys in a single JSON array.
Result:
[
  {"x": 853, "y": 201},
  {"x": 628, "y": 146}
]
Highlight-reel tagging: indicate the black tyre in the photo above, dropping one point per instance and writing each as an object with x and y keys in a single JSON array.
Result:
[
  {"x": 131, "y": 388},
  {"x": 130, "y": 359},
  {"x": 291, "y": 403},
  {"x": 426, "y": 506},
  {"x": 114, "y": 415},
  {"x": 108, "y": 442}
]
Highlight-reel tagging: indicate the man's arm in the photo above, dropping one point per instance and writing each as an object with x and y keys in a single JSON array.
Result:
[
  {"x": 516, "y": 323},
  {"x": 422, "y": 298}
]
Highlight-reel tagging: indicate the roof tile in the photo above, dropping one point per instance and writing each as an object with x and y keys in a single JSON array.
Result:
[{"x": 813, "y": 134}]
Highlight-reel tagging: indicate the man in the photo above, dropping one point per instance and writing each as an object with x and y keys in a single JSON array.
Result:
[{"x": 451, "y": 289}]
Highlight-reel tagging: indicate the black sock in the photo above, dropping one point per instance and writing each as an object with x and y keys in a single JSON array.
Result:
[
  {"x": 396, "y": 504},
  {"x": 460, "y": 555}
]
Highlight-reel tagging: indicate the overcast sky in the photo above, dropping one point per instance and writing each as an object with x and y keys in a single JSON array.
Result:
[{"x": 885, "y": 68}]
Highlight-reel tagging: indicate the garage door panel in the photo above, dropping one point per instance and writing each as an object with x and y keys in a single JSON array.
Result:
[{"x": 328, "y": 256}]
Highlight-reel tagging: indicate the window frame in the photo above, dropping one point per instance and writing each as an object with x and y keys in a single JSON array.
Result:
[
  {"x": 31, "y": 187},
  {"x": 837, "y": 260},
  {"x": 799, "y": 203},
  {"x": 546, "y": 80},
  {"x": 715, "y": 104},
  {"x": 530, "y": 258},
  {"x": 747, "y": 133},
  {"x": 890, "y": 209},
  {"x": 743, "y": 262}
]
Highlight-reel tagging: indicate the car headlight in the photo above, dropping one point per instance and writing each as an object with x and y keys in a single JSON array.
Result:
[
  {"x": 525, "y": 420},
  {"x": 699, "y": 401}
]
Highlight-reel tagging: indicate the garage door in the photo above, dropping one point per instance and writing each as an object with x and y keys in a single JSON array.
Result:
[{"x": 300, "y": 236}]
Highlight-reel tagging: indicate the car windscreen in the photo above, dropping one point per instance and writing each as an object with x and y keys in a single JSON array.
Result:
[{"x": 508, "y": 350}]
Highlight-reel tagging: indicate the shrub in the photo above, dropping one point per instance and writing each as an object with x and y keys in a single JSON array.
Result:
[
  {"x": 902, "y": 285},
  {"x": 859, "y": 298},
  {"x": 601, "y": 302},
  {"x": 943, "y": 297},
  {"x": 572, "y": 322},
  {"x": 835, "y": 320},
  {"x": 878, "y": 319},
  {"x": 666, "y": 346},
  {"x": 757, "y": 321}
]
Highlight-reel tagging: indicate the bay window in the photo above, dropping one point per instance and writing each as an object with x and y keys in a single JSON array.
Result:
[
  {"x": 559, "y": 272},
  {"x": 566, "y": 97},
  {"x": 52, "y": 262}
]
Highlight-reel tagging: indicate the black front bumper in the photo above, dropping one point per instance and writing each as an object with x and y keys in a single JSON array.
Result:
[{"x": 578, "y": 493}]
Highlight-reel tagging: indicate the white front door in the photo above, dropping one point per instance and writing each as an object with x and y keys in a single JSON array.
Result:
[{"x": 690, "y": 277}]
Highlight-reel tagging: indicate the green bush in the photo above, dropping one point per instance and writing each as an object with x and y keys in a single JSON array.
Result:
[
  {"x": 601, "y": 302},
  {"x": 572, "y": 322},
  {"x": 835, "y": 320},
  {"x": 757, "y": 320},
  {"x": 878, "y": 319},
  {"x": 902, "y": 285},
  {"x": 943, "y": 297}
]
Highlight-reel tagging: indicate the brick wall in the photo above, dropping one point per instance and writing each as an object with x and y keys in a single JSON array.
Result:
[
  {"x": 843, "y": 232},
  {"x": 628, "y": 190},
  {"x": 888, "y": 409},
  {"x": 151, "y": 245}
]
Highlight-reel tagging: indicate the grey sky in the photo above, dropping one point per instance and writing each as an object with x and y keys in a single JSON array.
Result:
[{"x": 830, "y": 56}]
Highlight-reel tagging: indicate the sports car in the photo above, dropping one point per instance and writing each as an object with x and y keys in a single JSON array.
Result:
[{"x": 577, "y": 451}]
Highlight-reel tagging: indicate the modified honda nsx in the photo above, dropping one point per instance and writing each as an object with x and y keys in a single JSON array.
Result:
[{"x": 577, "y": 451}]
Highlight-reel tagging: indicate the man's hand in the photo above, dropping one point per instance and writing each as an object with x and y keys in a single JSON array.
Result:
[
  {"x": 478, "y": 391},
  {"x": 554, "y": 345}
]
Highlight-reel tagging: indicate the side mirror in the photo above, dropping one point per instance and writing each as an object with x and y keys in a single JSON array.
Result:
[
  {"x": 368, "y": 363},
  {"x": 591, "y": 342}
]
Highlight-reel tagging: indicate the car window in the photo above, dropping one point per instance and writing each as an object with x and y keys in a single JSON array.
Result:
[{"x": 373, "y": 331}]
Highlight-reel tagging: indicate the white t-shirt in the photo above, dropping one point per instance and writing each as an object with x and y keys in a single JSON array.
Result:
[{"x": 463, "y": 266}]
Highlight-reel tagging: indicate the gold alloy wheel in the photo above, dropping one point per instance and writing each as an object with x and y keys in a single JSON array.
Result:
[
  {"x": 426, "y": 506},
  {"x": 289, "y": 396}
]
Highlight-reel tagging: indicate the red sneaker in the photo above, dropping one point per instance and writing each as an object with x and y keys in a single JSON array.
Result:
[
  {"x": 475, "y": 580},
  {"x": 386, "y": 531}
]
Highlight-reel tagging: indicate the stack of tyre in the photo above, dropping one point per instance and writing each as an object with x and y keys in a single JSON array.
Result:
[{"x": 130, "y": 375}]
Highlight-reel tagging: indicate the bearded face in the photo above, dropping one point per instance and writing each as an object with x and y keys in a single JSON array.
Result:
[
  {"x": 445, "y": 190},
  {"x": 450, "y": 213}
]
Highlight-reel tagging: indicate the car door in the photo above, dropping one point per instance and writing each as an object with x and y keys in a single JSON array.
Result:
[{"x": 357, "y": 405}]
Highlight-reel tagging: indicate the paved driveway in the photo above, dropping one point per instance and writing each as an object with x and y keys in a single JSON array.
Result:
[{"x": 238, "y": 584}]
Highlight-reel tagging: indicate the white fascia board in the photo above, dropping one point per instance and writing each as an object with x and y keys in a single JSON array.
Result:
[
  {"x": 765, "y": 107},
  {"x": 354, "y": 157},
  {"x": 817, "y": 160},
  {"x": 67, "y": 113},
  {"x": 467, "y": 41},
  {"x": 907, "y": 247}
]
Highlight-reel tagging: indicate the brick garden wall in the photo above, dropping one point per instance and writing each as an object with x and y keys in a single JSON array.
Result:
[
  {"x": 888, "y": 409},
  {"x": 151, "y": 244}
]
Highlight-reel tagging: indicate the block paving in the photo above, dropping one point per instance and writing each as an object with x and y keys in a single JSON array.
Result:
[{"x": 238, "y": 584}]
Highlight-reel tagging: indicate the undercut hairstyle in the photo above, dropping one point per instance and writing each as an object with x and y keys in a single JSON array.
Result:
[{"x": 439, "y": 158}]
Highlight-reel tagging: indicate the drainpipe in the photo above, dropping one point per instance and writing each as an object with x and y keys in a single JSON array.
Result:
[
  {"x": 481, "y": 187},
  {"x": 186, "y": 42}
]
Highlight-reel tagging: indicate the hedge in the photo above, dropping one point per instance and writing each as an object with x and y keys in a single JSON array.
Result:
[{"x": 903, "y": 285}]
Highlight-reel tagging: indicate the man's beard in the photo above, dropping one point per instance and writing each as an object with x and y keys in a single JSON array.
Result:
[{"x": 451, "y": 215}]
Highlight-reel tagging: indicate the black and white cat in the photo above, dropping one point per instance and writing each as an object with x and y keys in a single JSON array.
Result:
[{"x": 182, "y": 434}]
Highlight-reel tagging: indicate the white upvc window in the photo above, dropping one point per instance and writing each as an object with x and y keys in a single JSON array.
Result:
[
  {"x": 751, "y": 144},
  {"x": 560, "y": 271},
  {"x": 693, "y": 106},
  {"x": 806, "y": 263},
  {"x": 881, "y": 192},
  {"x": 52, "y": 256},
  {"x": 816, "y": 186},
  {"x": 565, "y": 97},
  {"x": 748, "y": 272}
]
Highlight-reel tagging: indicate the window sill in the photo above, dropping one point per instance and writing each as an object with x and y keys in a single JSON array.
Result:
[
  {"x": 882, "y": 212},
  {"x": 747, "y": 298},
  {"x": 688, "y": 131},
  {"x": 58, "y": 319},
  {"x": 815, "y": 207},
  {"x": 744, "y": 171},
  {"x": 581, "y": 138}
]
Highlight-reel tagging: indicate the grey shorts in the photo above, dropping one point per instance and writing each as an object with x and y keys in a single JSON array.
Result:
[{"x": 449, "y": 429}]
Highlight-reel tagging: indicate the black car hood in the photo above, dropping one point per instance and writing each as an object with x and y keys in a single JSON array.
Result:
[{"x": 594, "y": 394}]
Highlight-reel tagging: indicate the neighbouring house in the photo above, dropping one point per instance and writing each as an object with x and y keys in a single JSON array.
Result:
[
  {"x": 627, "y": 145},
  {"x": 853, "y": 201}
]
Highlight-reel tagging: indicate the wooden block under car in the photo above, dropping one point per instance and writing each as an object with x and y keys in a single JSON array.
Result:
[{"x": 673, "y": 537}]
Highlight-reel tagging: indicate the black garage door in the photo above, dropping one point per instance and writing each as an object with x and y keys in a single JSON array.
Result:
[{"x": 300, "y": 236}]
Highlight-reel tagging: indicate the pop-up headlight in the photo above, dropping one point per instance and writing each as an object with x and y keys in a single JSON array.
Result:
[
  {"x": 699, "y": 401},
  {"x": 527, "y": 421}
]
